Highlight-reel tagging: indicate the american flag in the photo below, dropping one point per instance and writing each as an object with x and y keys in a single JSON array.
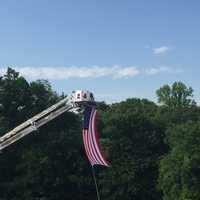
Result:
[{"x": 90, "y": 138}]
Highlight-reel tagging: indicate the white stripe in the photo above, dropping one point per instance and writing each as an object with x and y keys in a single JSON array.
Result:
[
  {"x": 94, "y": 139},
  {"x": 87, "y": 148},
  {"x": 91, "y": 147}
]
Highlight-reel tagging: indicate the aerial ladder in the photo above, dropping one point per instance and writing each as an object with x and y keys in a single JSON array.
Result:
[{"x": 77, "y": 99}]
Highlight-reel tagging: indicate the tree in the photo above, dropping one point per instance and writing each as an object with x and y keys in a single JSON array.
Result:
[
  {"x": 176, "y": 96},
  {"x": 42, "y": 95},
  {"x": 133, "y": 144},
  {"x": 177, "y": 104},
  {"x": 147, "y": 162},
  {"x": 49, "y": 165},
  {"x": 15, "y": 100},
  {"x": 179, "y": 169}
]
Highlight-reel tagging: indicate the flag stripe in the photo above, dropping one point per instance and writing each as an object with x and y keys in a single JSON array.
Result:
[
  {"x": 90, "y": 138},
  {"x": 91, "y": 148},
  {"x": 97, "y": 140},
  {"x": 86, "y": 146},
  {"x": 90, "y": 157},
  {"x": 94, "y": 139}
]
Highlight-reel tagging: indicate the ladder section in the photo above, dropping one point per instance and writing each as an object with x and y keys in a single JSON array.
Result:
[
  {"x": 78, "y": 99},
  {"x": 33, "y": 126}
]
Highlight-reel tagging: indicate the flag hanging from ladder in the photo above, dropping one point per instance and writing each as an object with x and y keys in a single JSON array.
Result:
[{"x": 90, "y": 138}]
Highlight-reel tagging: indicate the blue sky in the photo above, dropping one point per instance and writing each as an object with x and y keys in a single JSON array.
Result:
[{"x": 117, "y": 49}]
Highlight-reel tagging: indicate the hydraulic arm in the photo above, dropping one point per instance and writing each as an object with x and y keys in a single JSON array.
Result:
[{"x": 70, "y": 103}]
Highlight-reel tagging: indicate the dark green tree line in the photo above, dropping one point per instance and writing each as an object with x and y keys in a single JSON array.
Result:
[{"x": 153, "y": 149}]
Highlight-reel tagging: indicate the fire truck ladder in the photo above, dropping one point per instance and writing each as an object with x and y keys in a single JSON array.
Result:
[{"x": 67, "y": 104}]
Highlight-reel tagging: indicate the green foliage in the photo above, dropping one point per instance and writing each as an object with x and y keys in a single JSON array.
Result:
[
  {"x": 153, "y": 150},
  {"x": 176, "y": 96},
  {"x": 134, "y": 146},
  {"x": 15, "y": 100},
  {"x": 42, "y": 95},
  {"x": 179, "y": 169},
  {"x": 177, "y": 104},
  {"x": 49, "y": 164}
]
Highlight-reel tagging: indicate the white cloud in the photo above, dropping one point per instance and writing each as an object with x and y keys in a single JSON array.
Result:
[
  {"x": 162, "y": 70},
  {"x": 56, "y": 73},
  {"x": 126, "y": 72},
  {"x": 161, "y": 50},
  {"x": 115, "y": 72}
]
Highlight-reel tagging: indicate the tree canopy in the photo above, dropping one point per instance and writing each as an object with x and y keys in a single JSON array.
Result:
[
  {"x": 153, "y": 149},
  {"x": 176, "y": 96}
]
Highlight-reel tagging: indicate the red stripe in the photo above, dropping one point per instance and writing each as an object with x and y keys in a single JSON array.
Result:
[
  {"x": 84, "y": 143},
  {"x": 91, "y": 142},
  {"x": 90, "y": 148},
  {"x": 97, "y": 140},
  {"x": 87, "y": 147},
  {"x": 101, "y": 161}
]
